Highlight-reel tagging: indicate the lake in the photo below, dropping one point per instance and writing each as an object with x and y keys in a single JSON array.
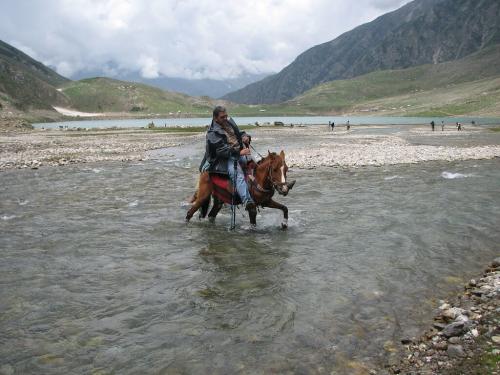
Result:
[{"x": 306, "y": 120}]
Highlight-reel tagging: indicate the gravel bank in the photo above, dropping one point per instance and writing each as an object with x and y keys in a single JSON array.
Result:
[
  {"x": 378, "y": 150},
  {"x": 465, "y": 337},
  {"x": 52, "y": 148},
  {"x": 306, "y": 147}
]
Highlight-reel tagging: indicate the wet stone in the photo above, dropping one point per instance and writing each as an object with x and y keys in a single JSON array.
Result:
[
  {"x": 454, "y": 340},
  {"x": 440, "y": 345},
  {"x": 453, "y": 329},
  {"x": 456, "y": 351}
]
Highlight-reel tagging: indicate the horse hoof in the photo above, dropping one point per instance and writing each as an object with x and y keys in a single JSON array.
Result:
[
  {"x": 284, "y": 224},
  {"x": 211, "y": 220}
]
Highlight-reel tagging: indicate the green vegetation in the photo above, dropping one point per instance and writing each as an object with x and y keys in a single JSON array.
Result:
[
  {"x": 109, "y": 95},
  {"x": 465, "y": 86},
  {"x": 25, "y": 83},
  {"x": 421, "y": 32}
]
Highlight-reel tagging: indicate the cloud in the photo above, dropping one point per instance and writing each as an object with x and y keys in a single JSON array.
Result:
[{"x": 178, "y": 38}]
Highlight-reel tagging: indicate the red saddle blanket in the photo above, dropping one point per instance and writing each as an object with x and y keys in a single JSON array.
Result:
[{"x": 223, "y": 189}]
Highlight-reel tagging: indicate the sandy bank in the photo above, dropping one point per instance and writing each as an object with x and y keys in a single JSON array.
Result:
[{"x": 73, "y": 113}]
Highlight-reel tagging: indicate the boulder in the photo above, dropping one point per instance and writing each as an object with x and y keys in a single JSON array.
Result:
[{"x": 453, "y": 329}]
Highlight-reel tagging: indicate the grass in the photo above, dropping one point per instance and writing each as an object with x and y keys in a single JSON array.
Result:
[
  {"x": 109, "y": 95},
  {"x": 470, "y": 85}
]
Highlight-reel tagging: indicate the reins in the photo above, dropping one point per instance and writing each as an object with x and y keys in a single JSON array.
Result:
[{"x": 269, "y": 177}]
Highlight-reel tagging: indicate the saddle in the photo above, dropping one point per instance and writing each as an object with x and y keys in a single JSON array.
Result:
[{"x": 223, "y": 186}]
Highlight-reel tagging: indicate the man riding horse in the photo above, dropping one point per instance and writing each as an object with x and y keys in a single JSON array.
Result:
[
  {"x": 227, "y": 151},
  {"x": 224, "y": 150}
]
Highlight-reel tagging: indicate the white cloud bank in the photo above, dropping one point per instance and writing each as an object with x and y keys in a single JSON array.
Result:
[{"x": 178, "y": 38}]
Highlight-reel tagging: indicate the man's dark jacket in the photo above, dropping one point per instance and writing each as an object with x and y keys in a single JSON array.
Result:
[{"x": 217, "y": 150}]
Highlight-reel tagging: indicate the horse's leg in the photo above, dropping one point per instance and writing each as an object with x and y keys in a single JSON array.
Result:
[
  {"x": 204, "y": 192},
  {"x": 215, "y": 209},
  {"x": 273, "y": 204},
  {"x": 204, "y": 208},
  {"x": 252, "y": 213}
]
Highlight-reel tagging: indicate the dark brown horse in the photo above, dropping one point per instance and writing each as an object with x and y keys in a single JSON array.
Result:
[{"x": 270, "y": 176}]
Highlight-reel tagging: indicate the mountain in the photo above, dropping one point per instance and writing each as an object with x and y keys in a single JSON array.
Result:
[
  {"x": 110, "y": 95},
  {"x": 26, "y": 83},
  {"x": 467, "y": 86},
  {"x": 192, "y": 87},
  {"x": 421, "y": 32},
  {"x": 28, "y": 86}
]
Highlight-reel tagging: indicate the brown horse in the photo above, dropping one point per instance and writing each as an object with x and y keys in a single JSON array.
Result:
[{"x": 270, "y": 176}]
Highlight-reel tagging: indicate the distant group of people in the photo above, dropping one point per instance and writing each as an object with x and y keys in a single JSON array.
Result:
[
  {"x": 331, "y": 125},
  {"x": 457, "y": 124}
]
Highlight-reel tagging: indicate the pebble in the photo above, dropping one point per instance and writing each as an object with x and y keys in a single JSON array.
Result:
[
  {"x": 455, "y": 351},
  {"x": 442, "y": 345},
  {"x": 461, "y": 324},
  {"x": 454, "y": 340},
  {"x": 453, "y": 329}
]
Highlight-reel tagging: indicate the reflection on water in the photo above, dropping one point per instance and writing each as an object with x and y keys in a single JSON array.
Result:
[{"x": 99, "y": 274}]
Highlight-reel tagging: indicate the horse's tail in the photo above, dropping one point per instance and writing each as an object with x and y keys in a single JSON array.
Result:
[{"x": 205, "y": 205}]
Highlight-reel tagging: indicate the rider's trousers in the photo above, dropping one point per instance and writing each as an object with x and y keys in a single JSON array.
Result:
[{"x": 241, "y": 184}]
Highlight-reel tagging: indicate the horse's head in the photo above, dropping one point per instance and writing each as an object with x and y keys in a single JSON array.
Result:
[{"x": 277, "y": 173}]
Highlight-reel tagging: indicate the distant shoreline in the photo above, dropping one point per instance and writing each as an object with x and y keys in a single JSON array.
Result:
[{"x": 306, "y": 147}]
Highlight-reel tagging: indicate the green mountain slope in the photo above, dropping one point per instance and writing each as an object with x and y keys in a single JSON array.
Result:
[
  {"x": 421, "y": 32},
  {"x": 26, "y": 83},
  {"x": 467, "y": 86},
  {"x": 346, "y": 94},
  {"x": 109, "y": 95}
]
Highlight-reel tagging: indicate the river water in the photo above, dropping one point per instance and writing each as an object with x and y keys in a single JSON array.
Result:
[{"x": 99, "y": 273}]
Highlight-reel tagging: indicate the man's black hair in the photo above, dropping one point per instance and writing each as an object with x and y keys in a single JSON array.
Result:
[{"x": 218, "y": 110}]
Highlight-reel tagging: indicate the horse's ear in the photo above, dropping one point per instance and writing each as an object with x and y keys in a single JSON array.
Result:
[{"x": 282, "y": 154}]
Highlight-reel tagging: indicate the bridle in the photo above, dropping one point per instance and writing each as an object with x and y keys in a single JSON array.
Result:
[{"x": 275, "y": 184}]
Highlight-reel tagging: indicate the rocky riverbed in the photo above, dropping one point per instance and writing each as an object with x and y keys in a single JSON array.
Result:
[
  {"x": 306, "y": 147},
  {"x": 356, "y": 150},
  {"x": 465, "y": 336},
  {"x": 55, "y": 148}
]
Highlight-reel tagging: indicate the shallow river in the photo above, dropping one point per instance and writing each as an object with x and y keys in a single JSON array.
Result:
[{"x": 99, "y": 274}]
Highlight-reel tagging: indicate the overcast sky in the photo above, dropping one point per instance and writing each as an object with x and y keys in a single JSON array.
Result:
[{"x": 178, "y": 38}]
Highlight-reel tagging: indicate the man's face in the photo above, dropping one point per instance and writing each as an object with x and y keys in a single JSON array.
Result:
[{"x": 221, "y": 118}]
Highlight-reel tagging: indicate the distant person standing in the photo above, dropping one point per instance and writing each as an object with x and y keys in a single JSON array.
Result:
[
  {"x": 333, "y": 125},
  {"x": 348, "y": 125},
  {"x": 433, "y": 124},
  {"x": 442, "y": 126},
  {"x": 329, "y": 125}
]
